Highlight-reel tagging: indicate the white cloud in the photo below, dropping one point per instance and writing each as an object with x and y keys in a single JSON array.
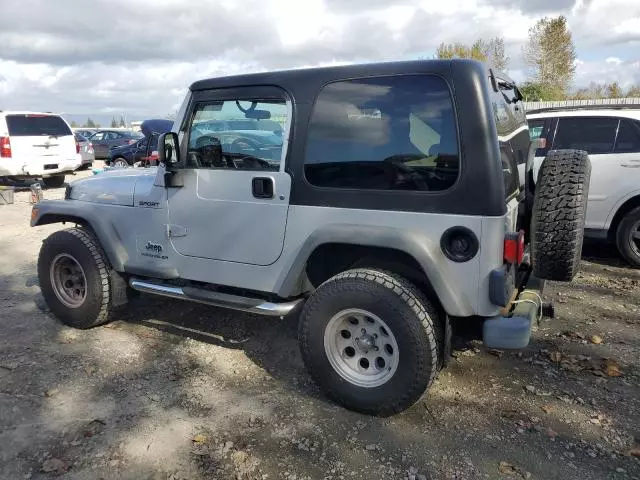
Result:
[
  {"x": 124, "y": 56},
  {"x": 626, "y": 73}
]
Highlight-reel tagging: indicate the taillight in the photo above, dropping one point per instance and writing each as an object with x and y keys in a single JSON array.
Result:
[
  {"x": 5, "y": 147},
  {"x": 77, "y": 147},
  {"x": 514, "y": 248}
]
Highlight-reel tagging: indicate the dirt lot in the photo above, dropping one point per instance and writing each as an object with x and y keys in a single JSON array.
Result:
[{"x": 180, "y": 391}]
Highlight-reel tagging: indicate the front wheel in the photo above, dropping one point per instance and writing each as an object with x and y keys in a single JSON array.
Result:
[
  {"x": 119, "y": 163},
  {"x": 368, "y": 339},
  {"x": 74, "y": 278},
  {"x": 628, "y": 237}
]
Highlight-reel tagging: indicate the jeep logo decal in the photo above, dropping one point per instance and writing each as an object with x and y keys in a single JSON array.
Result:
[
  {"x": 144, "y": 203},
  {"x": 153, "y": 247}
]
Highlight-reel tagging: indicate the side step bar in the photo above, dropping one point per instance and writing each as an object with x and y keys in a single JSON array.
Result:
[{"x": 216, "y": 299}]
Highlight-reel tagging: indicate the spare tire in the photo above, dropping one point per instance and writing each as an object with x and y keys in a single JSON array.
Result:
[{"x": 559, "y": 211}]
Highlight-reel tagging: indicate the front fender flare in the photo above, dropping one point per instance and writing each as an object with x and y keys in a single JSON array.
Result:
[{"x": 57, "y": 211}]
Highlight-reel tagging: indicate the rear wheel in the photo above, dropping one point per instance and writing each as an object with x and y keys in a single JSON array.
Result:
[
  {"x": 368, "y": 339},
  {"x": 56, "y": 181},
  {"x": 75, "y": 279},
  {"x": 628, "y": 237},
  {"x": 119, "y": 162},
  {"x": 559, "y": 210}
]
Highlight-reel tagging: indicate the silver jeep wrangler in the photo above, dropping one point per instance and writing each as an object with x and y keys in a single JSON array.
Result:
[{"x": 379, "y": 202}]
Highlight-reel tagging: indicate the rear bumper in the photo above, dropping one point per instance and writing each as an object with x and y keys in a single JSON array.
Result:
[
  {"x": 513, "y": 329},
  {"x": 87, "y": 157},
  {"x": 14, "y": 167}
]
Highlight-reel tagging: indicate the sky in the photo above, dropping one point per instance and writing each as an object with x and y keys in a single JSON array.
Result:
[{"x": 138, "y": 57}]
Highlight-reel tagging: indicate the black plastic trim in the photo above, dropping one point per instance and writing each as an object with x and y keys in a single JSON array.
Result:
[{"x": 447, "y": 237}]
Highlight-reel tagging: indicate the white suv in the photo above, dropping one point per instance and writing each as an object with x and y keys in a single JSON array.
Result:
[
  {"x": 611, "y": 136},
  {"x": 37, "y": 145}
]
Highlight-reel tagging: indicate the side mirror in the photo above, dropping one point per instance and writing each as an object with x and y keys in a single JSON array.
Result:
[{"x": 169, "y": 150}]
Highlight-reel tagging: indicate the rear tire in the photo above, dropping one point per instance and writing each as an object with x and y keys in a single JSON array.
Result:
[
  {"x": 559, "y": 211},
  {"x": 75, "y": 279},
  {"x": 57, "y": 181},
  {"x": 628, "y": 237},
  {"x": 368, "y": 339}
]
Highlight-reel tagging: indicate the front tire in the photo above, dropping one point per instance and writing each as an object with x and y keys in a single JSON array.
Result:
[
  {"x": 74, "y": 277},
  {"x": 559, "y": 212},
  {"x": 368, "y": 339},
  {"x": 628, "y": 237},
  {"x": 57, "y": 181},
  {"x": 119, "y": 162}
]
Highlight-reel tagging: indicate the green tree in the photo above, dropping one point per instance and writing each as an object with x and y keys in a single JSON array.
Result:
[
  {"x": 634, "y": 92},
  {"x": 460, "y": 50},
  {"x": 491, "y": 52},
  {"x": 74, "y": 124},
  {"x": 114, "y": 123},
  {"x": 496, "y": 54},
  {"x": 89, "y": 123},
  {"x": 535, "y": 92},
  {"x": 594, "y": 90},
  {"x": 613, "y": 90},
  {"x": 550, "y": 55}
]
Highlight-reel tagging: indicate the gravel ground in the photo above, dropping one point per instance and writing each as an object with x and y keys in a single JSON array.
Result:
[{"x": 180, "y": 391}]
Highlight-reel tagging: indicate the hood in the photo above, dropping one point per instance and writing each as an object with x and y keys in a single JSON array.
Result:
[
  {"x": 156, "y": 125},
  {"x": 115, "y": 187}
]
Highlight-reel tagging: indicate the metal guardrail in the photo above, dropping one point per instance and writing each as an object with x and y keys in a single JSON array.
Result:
[{"x": 581, "y": 104}]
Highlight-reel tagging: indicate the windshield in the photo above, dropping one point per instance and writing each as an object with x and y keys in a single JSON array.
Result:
[{"x": 31, "y": 125}]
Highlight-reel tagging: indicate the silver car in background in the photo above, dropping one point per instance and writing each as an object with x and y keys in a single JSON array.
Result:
[{"x": 86, "y": 152}]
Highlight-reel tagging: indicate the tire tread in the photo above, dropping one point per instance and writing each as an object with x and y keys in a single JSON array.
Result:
[
  {"x": 559, "y": 211},
  {"x": 423, "y": 333},
  {"x": 92, "y": 245}
]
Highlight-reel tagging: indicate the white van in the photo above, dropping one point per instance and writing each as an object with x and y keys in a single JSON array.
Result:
[{"x": 37, "y": 145}]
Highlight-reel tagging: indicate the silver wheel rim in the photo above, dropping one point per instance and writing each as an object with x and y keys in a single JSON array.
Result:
[
  {"x": 361, "y": 348},
  {"x": 68, "y": 280},
  {"x": 634, "y": 238},
  {"x": 120, "y": 164}
]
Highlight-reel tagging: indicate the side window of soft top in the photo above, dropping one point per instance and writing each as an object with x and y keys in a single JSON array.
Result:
[{"x": 383, "y": 133}]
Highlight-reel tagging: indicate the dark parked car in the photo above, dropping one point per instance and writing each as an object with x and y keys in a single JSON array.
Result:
[
  {"x": 143, "y": 149},
  {"x": 105, "y": 140}
]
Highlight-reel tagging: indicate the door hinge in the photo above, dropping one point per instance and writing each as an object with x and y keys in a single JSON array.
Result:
[{"x": 176, "y": 231}]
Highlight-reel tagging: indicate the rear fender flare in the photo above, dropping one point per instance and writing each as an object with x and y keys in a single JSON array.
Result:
[{"x": 426, "y": 252}]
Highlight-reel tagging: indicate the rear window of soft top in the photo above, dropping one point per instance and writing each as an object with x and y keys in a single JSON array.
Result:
[{"x": 29, "y": 125}]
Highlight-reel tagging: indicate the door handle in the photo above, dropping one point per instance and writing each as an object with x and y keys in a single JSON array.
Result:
[{"x": 262, "y": 187}]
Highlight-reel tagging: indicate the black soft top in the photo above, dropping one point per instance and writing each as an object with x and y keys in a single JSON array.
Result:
[{"x": 296, "y": 77}]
